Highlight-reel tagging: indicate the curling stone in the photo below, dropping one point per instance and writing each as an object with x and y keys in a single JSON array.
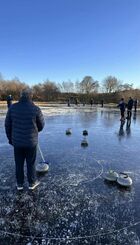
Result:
[
  {"x": 84, "y": 143},
  {"x": 111, "y": 175},
  {"x": 124, "y": 180},
  {"x": 68, "y": 131},
  {"x": 42, "y": 167},
  {"x": 85, "y": 132}
]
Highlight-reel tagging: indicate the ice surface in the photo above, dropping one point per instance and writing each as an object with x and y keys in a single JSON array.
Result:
[{"x": 73, "y": 204}]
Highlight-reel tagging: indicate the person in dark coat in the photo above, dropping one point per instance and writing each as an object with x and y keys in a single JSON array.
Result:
[
  {"x": 76, "y": 101},
  {"x": 122, "y": 106},
  {"x": 68, "y": 102},
  {"x": 135, "y": 105},
  {"x": 23, "y": 122},
  {"x": 9, "y": 100},
  {"x": 102, "y": 103},
  {"x": 91, "y": 102},
  {"x": 129, "y": 107}
]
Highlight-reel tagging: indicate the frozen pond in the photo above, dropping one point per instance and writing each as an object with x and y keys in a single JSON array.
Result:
[{"x": 73, "y": 204}]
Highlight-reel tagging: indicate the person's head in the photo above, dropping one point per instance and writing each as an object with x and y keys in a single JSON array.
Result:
[
  {"x": 26, "y": 94},
  {"x": 122, "y": 99}
]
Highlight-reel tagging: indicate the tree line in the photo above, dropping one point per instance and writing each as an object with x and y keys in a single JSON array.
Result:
[{"x": 110, "y": 90}]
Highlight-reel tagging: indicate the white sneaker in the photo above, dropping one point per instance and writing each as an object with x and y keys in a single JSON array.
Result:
[
  {"x": 33, "y": 186},
  {"x": 19, "y": 187}
]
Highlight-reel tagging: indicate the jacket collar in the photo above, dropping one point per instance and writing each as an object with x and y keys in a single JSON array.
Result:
[{"x": 25, "y": 99}]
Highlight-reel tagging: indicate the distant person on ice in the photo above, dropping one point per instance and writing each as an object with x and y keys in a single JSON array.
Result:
[
  {"x": 9, "y": 100},
  {"x": 135, "y": 105},
  {"x": 76, "y": 101},
  {"x": 23, "y": 122},
  {"x": 102, "y": 103},
  {"x": 129, "y": 107},
  {"x": 122, "y": 106},
  {"x": 68, "y": 102},
  {"x": 91, "y": 102}
]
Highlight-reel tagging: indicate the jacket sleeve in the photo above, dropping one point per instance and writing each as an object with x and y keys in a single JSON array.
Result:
[
  {"x": 8, "y": 126},
  {"x": 40, "y": 120}
]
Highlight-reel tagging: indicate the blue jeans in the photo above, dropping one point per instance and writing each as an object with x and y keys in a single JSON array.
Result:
[{"x": 21, "y": 154}]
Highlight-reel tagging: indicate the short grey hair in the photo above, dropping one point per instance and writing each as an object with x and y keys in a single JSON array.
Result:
[{"x": 26, "y": 93}]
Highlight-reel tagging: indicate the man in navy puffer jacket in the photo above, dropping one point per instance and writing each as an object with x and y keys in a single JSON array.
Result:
[{"x": 23, "y": 122}]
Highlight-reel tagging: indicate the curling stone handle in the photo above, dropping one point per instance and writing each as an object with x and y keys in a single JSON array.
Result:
[{"x": 126, "y": 175}]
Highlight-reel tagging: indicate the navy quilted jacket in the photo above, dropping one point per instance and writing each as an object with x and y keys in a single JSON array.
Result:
[{"x": 23, "y": 122}]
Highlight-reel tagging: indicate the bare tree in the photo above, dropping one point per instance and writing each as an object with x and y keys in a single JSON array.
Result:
[
  {"x": 13, "y": 87},
  {"x": 77, "y": 87},
  {"x": 1, "y": 77},
  {"x": 67, "y": 87},
  {"x": 1, "y": 85},
  {"x": 38, "y": 91},
  {"x": 88, "y": 85},
  {"x": 50, "y": 90},
  {"x": 126, "y": 86},
  {"x": 111, "y": 84}
]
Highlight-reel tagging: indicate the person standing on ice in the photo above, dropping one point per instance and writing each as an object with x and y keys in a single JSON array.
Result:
[
  {"x": 91, "y": 102},
  {"x": 122, "y": 106},
  {"x": 9, "y": 100},
  {"x": 129, "y": 107},
  {"x": 23, "y": 122},
  {"x": 135, "y": 105},
  {"x": 102, "y": 103}
]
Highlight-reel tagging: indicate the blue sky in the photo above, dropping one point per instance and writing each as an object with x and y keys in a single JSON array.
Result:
[{"x": 68, "y": 39}]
